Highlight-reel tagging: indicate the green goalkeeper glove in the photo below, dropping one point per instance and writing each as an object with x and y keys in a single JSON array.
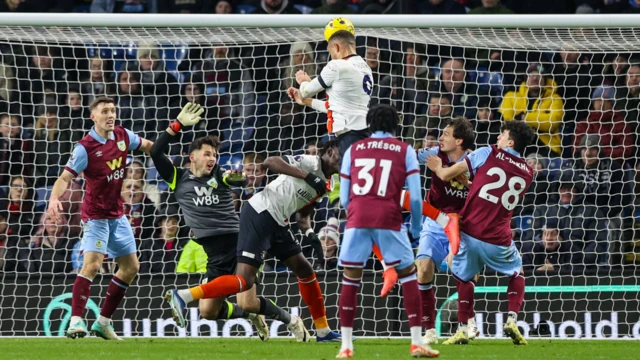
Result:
[{"x": 189, "y": 116}]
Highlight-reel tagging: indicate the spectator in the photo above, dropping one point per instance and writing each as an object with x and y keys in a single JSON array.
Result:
[
  {"x": 159, "y": 255},
  {"x": 137, "y": 171},
  {"x": 229, "y": 85},
  {"x": 601, "y": 177},
  {"x": 441, "y": 7},
  {"x": 4, "y": 229},
  {"x": 7, "y": 87},
  {"x": 158, "y": 86},
  {"x": 629, "y": 98},
  {"x": 100, "y": 81},
  {"x": 379, "y": 7},
  {"x": 379, "y": 68},
  {"x": 16, "y": 6},
  {"x": 301, "y": 57},
  {"x": 311, "y": 149},
  {"x": 222, "y": 7},
  {"x": 602, "y": 7},
  {"x": 15, "y": 152},
  {"x": 19, "y": 203},
  {"x": 183, "y": 7},
  {"x": 463, "y": 92},
  {"x": 486, "y": 127},
  {"x": 574, "y": 74},
  {"x": 51, "y": 246},
  {"x": 276, "y": 7},
  {"x": 552, "y": 253},
  {"x": 540, "y": 192},
  {"x": 256, "y": 179},
  {"x": 193, "y": 259},
  {"x": 330, "y": 239},
  {"x": 124, "y": 6},
  {"x": 544, "y": 115},
  {"x": 490, "y": 7},
  {"x": 634, "y": 7},
  {"x": 407, "y": 90},
  {"x": 44, "y": 74},
  {"x": 430, "y": 140},
  {"x": 439, "y": 112},
  {"x": 131, "y": 104},
  {"x": 582, "y": 224},
  {"x": 138, "y": 209},
  {"x": 616, "y": 139},
  {"x": 615, "y": 69},
  {"x": 337, "y": 7},
  {"x": 75, "y": 114},
  {"x": 52, "y": 145}
]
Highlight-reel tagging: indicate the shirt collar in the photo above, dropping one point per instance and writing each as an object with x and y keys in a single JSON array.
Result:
[
  {"x": 94, "y": 134},
  {"x": 348, "y": 56},
  {"x": 512, "y": 152},
  {"x": 381, "y": 135}
]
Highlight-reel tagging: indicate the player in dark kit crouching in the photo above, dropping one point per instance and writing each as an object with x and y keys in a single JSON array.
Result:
[{"x": 204, "y": 194}]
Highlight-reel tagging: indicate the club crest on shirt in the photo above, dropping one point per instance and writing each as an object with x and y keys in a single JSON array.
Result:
[
  {"x": 213, "y": 183},
  {"x": 122, "y": 146},
  {"x": 99, "y": 244}
]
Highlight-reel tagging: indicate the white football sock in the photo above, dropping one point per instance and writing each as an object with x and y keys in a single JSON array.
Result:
[
  {"x": 75, "y": 319},
  {"x": 384, "y": 266},
  {"x": 185, "y": 295},
  {"x": 104, "y": 321},
  {"x": 442, "y": 219},
  {"x": 416, "y": 335},
  {"x": 347, "y": 338}
]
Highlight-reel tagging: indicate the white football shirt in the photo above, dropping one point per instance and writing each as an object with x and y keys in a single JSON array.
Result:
[
  {"x": 348, "y": 83},
  {"x": 286, "y": 194}
]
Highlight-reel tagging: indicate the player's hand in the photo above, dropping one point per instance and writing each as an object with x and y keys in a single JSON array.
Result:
[
  {"x": 434, "y": 163},
  {"x": 315, "y": 243},
  {"x": 316, "y": 183},
  {"x": 463, "y": 179},
  {"x": 190, "y": 114},
  {"x": 294, "y": 94},
  {"x": 55, "y": 206},
  {"x": 302, "y": 76}
]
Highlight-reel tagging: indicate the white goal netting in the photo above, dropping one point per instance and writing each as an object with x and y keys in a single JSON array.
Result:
[{"x": 579, "y": 89}]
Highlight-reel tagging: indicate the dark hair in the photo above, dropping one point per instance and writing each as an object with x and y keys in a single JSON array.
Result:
[
  {"x": 439, "y": 95},
  {"x": 462, "y": 130},
  {"x": 47, "y": 109},
  {"x": 100, "y": 100},
  {"x": 344, "y": 37},
  {"x": 520, "y": 133},
  {"x": 328, "y": 145},
  {"x": 382, "y": 117},
  {"x": 198, "y": 143}
]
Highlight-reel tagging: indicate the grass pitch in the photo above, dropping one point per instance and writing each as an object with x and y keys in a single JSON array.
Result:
[{"x": 254, "y": 349}]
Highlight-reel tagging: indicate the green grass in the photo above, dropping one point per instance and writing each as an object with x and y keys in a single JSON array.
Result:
[{"x": 253, "y": 349}]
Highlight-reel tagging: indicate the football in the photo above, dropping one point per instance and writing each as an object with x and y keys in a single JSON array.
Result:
[{"x": 337, "y": 24}]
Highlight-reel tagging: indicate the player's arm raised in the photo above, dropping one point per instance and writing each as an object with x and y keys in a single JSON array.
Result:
[
  {"x": 190, "y": 115},
  {"x": 77, "y": 163},
  {"x": 281, "y": 166}
]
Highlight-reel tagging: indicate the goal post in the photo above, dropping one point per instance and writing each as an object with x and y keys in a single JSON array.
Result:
[{"x": 581, "y": 256}]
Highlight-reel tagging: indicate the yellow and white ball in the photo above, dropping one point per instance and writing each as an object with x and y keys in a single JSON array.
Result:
[{"x": 338, "y": 24}]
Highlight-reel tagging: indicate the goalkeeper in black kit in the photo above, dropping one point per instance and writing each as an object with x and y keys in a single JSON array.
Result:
[{"x": 204, "y": 194}]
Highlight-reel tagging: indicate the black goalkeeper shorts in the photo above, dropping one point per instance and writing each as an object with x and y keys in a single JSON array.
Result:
[
  {"x": 221, "y": 254},
  {"x": 260, "y": 233}
]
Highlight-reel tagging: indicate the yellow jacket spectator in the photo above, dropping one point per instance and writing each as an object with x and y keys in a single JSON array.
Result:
[
  {"x": 193, "y": 259},
  {"x": 537, "y": 103}
]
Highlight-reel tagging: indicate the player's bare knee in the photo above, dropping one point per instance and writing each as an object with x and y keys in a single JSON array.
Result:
[
  {"x": 406, "y": 271},
  {"x": 91, "y": 269},
  {"x": 426, "y": 270},
  {"x": 209, "y": 312}
]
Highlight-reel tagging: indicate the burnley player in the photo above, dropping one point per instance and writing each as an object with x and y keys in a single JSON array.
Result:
[
  {"x": 500, "y": 178},
  {"x": 204, "y": 194},
  {"x": 374, "y": 171},
  {"x": 102, "y": 157},
  {"x": 264, "y": 226},
  {"x": 449, "y": 197}
]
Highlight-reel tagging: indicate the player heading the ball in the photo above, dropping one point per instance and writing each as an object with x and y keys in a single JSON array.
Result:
[{"x": 102, "y": 157}]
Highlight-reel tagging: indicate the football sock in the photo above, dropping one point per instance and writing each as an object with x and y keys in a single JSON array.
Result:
[
  {"x": 465, "y": 300},
  {"x": 348, "y": 305},
  {"x": 115, "y": 292},
  {"x": 231, "y": 311},
  {"x": 271, "y": 311},
  {"x": 412, "y": 305},
  {"x": 428, "y": 210},
  {"x": 222, "y": 286},
  {"x": 378, "y": 254},
  {"x": 312, "y": 296},
  {"x": 80, "y": 295},
  {"x": 515, "y": 293},
  {"x": 428, "y": 305}
]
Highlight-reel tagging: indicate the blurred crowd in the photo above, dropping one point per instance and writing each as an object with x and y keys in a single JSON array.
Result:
[{"x": 578, "y": 216}]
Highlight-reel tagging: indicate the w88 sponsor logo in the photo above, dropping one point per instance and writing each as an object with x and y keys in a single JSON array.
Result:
[{"x": 205, "y": 196}]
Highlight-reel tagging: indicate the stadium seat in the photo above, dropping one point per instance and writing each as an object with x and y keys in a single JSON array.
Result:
[
  {"x": 237, "y": 135},
  {"x": 172, "y": 55},
  {"x": 245, "y": 9},
  {"x": 227, "y": 161},
  {"x": 523, "y": 223},
  {"x": 42, "y": 196}
]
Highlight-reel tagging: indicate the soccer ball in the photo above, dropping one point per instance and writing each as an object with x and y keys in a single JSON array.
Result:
[{"x": 337, "y": 24}]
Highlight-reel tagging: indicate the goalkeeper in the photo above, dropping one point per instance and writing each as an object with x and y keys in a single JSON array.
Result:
[{"x": 204, "y": 194}]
